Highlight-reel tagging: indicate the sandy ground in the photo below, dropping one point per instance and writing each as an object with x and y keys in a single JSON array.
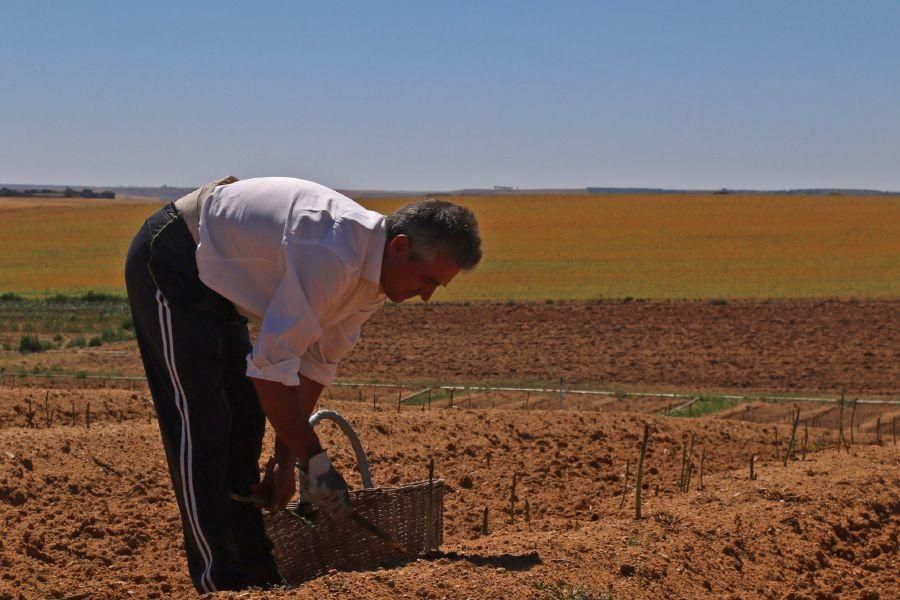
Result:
[{"x": 89, "y": 512}]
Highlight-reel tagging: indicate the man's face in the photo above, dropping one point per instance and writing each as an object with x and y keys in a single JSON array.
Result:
[{"x": 403, "y": 278}]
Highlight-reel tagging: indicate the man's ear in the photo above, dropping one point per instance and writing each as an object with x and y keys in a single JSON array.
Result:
[{"x": 399, "y": 246}]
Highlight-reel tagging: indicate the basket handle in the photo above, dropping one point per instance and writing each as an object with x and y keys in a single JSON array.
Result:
[{"x": 362, "y": 462}]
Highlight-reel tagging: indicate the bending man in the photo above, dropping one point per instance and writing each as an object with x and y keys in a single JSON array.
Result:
[{"x": 311, "y": 264}]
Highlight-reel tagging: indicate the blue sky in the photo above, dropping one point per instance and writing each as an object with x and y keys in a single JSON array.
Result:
[{"x": 445, "y": 95}]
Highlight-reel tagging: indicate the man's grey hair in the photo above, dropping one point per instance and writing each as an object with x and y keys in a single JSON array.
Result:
[{"x": 434, "y": 225}]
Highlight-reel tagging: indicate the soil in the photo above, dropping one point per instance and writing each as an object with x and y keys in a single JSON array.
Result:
[
  {"x": 89, "y": 512},
  {"x": 824, "y": 346}
]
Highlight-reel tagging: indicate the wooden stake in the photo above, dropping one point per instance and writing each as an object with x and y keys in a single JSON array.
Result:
[
  {"x": 878, "y": 430},
  {"x": 512, "y": 500},
  {"x": 29, "y": 414},
  {"x": 787, "y": 453},
  {"x": 777, "y": 445},
  {"x": 702, "y": 460},
  {"x": 853, "y": 419},
  {"x": 87, "y": 416},
  {"x": 805, "y": 438},
  {"x": 841, "y": 439},
  {"x": 894, "y": 429},
  {"x": 451, "y": 397},
  {"x": 429, "y": 534},
  {"x": 640, "y": 473},
  {"x": 690, "y": 464},
  {"x": 625, "y": 483},
  {"x": 528, "y": 514},
  {"x": 752, "y": 472},
  {"x": 47, "y": 409},
  {"x": 484, "y": 522}
]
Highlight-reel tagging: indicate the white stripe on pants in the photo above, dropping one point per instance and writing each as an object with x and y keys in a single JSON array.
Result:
[{"x": 185, "y": 454}]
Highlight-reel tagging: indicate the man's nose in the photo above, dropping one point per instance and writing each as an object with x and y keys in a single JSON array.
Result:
[{"x": 426, "y": 293}]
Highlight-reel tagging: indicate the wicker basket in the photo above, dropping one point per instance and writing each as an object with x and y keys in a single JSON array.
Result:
[{"x": 307, "y": 544}]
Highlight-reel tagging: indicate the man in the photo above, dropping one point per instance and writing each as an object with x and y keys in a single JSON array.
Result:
[{"x": 313, "y": 266}]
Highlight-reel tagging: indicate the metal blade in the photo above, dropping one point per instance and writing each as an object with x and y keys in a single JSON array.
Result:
[{"x": 378, "y": 532}]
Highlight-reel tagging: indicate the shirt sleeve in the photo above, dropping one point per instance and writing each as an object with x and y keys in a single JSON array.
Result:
[
  {"x": 313, "y": 277},
  {"x": 336, "y": 341}
]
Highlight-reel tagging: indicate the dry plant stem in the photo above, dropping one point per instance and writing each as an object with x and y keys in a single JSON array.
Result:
[
  {"x": 528, "y": 514},
  {"x": 752, "y": 471},
  {"x": 790, "y": 446},
  {"x": 777, "y": 450},
  {"x": 625, "y": 483},
  {"x": 805, "y": 438},
  {"x": 87, "y": 415},
  {"x": 683, "y": 462},
  {"x": 29, "y": 414},
  {"x": 894, "y": 430},
  {"x": 878, "y": 430},
  {"x": 702, "y": 460},
  {"x": 429, "y": 536},
  {"x": 512, "y": 500},
  {"x": 484, "y": 522},
  {"x": 73, "y": 413},
  {"x": 690, "y": 464},
  {"x": 640, "y": 473},
  {"x": 841, "y": 440},
  {"x": 853, "y": 420}
]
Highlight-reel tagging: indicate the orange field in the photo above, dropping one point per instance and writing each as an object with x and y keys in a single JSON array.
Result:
[{"x": 551, "y": 247}]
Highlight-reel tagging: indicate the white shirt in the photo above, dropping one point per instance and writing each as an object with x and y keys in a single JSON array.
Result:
[{"x": 301, "y": 257}]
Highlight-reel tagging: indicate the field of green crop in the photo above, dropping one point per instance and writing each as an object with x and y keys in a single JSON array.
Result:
[{"x": 549, "y": 247}]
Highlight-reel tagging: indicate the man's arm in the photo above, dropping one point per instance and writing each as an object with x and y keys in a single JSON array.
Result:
[{"x": 288, "y": 409}]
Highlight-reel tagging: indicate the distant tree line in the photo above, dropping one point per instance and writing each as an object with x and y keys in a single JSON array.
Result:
[{"x": 69, "y": 192}]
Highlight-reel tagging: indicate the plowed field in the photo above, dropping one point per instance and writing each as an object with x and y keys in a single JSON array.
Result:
[{"x": 89, "y": 512}]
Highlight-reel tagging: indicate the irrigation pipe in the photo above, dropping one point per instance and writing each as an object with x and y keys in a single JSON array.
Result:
[{"x": 555, "y": 390}]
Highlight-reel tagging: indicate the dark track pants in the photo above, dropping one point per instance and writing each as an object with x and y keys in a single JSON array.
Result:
[{"x": 193, "y": 345}]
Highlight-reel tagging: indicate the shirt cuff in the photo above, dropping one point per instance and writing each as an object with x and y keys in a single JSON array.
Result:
[
  {"x": 317, "y": 371},
  {"x": 284, "y": 372}
]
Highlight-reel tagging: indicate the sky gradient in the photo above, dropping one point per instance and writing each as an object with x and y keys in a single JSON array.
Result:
[{"x": 428, "y": 95}]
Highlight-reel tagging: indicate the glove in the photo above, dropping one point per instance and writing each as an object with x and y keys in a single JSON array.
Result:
[{"x": 324, "y": 487}]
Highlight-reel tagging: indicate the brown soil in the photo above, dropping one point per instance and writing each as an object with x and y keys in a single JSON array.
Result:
[
  {"x": 90, "y": 513},
  {"x": 776, "y": 346}
]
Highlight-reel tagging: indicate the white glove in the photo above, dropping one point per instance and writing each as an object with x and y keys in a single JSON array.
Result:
[{"x": 324, "y": 488}]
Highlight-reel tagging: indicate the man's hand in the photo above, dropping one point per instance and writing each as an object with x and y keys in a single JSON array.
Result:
[
  {"x": 324, "y": 487},
  {"x": 278, "y": 485}
]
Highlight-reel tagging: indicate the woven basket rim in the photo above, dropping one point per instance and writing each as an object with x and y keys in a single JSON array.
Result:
[{"x": 433, "y": 482}]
